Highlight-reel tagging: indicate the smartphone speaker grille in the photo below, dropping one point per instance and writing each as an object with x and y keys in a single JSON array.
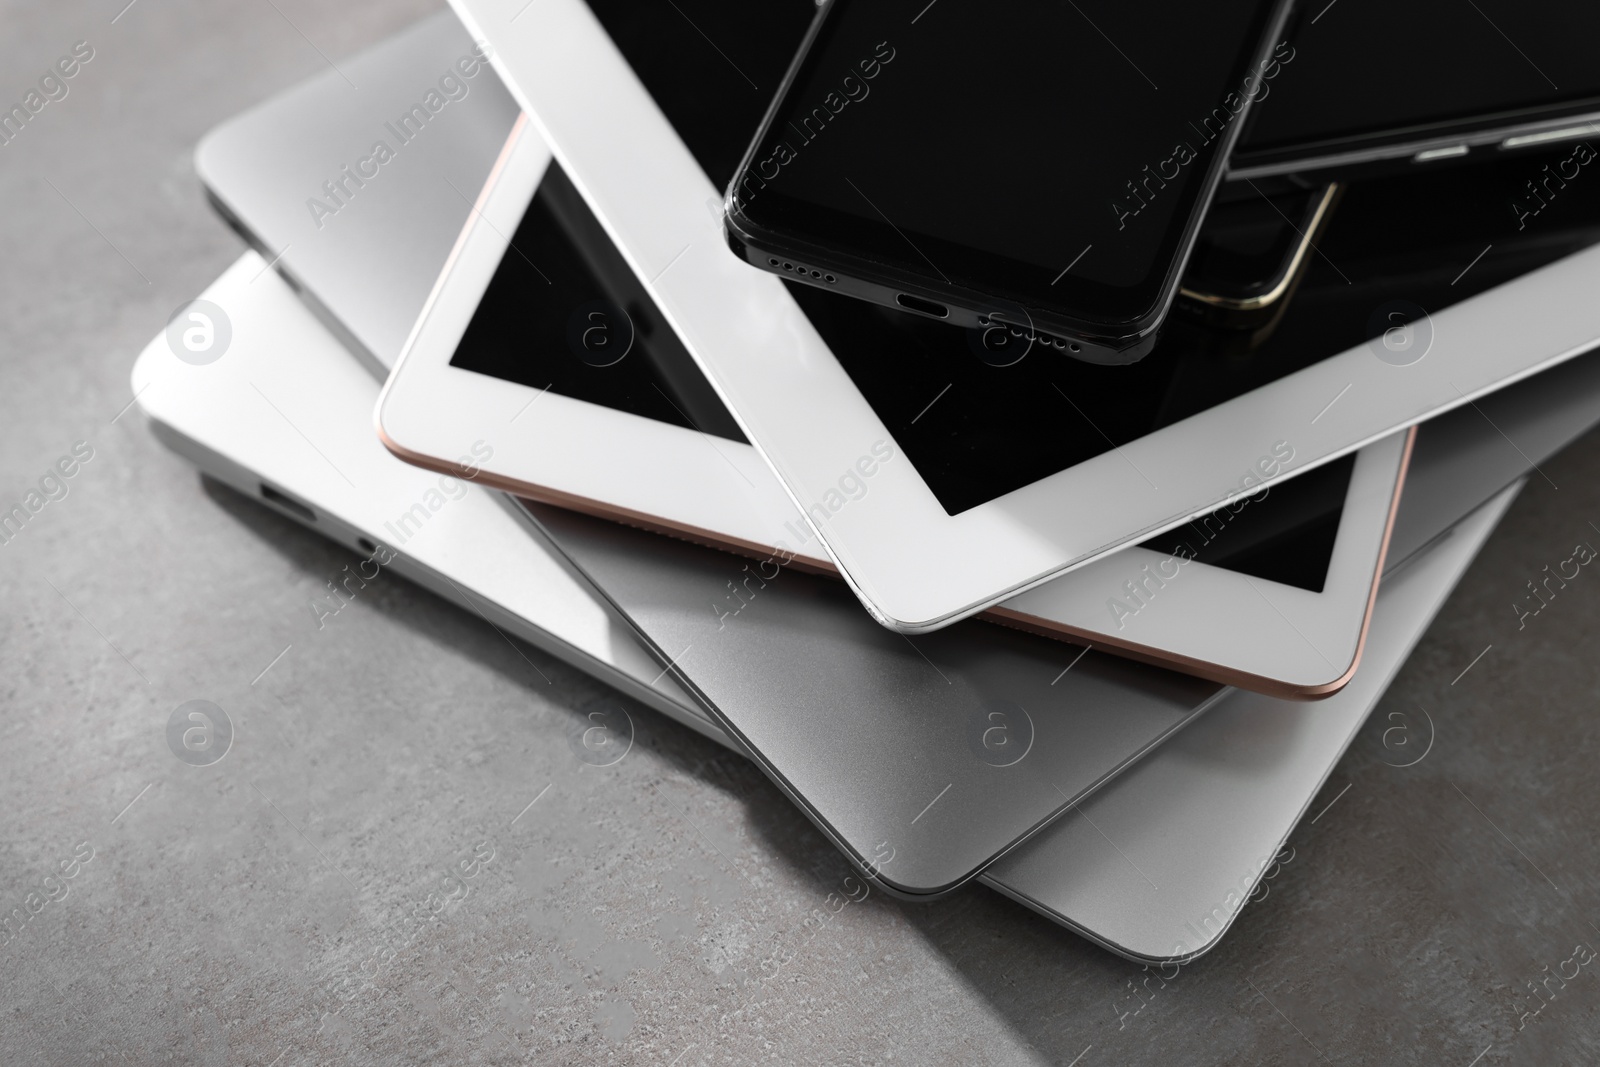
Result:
[
  {"x": 804, "y": 272},
  {"x": 1025, "y": 334}
]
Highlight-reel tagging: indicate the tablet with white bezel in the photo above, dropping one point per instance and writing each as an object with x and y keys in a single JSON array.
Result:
[
  {"x": 368, "y": 271},
  {"x": 539, "y": 346},
  {"x": 1011, "y": 482}
]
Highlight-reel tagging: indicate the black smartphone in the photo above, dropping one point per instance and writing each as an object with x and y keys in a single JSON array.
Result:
[
  {"x": 1370, "y": 84},
  {"x": 1046, "y": 166}
]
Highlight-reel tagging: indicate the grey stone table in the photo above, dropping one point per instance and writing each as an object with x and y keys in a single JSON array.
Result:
[{"x": 275, "y": 909}]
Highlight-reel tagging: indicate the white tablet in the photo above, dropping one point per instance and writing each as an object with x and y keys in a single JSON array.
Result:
[
  {"x": 541, "y": 359},
  {"x": 1006, "y": 475}
]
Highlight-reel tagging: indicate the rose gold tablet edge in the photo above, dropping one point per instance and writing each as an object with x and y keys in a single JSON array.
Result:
[
  {"x": 1255, "y": 683},
  {"x": 998, "y": 615}
]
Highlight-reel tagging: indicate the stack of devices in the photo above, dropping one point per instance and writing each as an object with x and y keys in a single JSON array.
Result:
[{"x": 1023, "y": 525}]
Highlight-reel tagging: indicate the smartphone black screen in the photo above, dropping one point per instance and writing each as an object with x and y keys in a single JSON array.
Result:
[
  {"x": 1376, "y": 71},
  {"x": 992, "y": 146}
]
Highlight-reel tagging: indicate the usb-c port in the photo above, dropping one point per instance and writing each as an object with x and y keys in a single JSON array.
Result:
[
  {"x": 287, "y": 503},
  {"x": 926, "y": 307}
]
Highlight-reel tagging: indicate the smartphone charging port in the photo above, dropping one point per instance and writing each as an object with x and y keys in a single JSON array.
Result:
[{"x": 925, "y": 307}]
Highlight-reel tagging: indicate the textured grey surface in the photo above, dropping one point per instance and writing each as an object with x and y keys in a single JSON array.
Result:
[{"x": 274, "y": 907}]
